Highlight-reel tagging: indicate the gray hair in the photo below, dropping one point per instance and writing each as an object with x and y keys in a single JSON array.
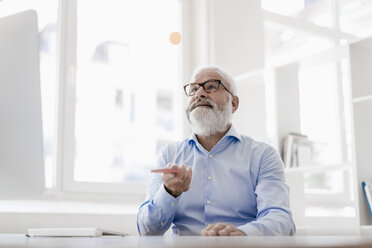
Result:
[{"x": 223, "y": 72}]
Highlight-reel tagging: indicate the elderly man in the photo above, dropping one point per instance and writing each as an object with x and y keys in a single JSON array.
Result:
[{"x": 226, "y": 184}]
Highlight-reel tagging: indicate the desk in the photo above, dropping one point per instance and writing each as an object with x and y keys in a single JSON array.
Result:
[{"x": 16, "y": 240}]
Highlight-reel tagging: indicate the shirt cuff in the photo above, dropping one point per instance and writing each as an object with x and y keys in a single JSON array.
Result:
[
  {"x": 250, "y": 230},
  {"x": 165, "y": 200}
]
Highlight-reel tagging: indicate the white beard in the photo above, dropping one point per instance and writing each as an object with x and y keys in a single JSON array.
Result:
[{"x": 208, "y": 121}]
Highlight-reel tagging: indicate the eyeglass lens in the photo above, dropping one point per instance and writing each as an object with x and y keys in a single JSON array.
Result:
[{"x": 209, "y": 87}]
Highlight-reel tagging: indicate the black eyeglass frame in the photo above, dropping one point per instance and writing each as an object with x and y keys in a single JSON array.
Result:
[{"x": 202, "y": 85}]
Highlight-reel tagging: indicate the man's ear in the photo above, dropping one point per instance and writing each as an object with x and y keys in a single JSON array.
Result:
[{"x": 235, "y": 103}]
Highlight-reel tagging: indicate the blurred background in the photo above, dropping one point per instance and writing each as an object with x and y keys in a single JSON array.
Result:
[{"x": 111, "y": 81}]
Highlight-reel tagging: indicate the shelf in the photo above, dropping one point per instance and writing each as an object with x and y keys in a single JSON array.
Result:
[
  {"x": 361, "y": 76},
  {"x": 318, "y": 168},
  {"x": 366, "y": 230},
  {"x": 364, "y": 99}
]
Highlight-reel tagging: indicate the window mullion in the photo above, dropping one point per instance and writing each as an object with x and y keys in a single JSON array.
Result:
[{"x": 66, "y": 57}]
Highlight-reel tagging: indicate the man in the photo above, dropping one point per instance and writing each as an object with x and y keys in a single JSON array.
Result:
[{"x": 228, "y": 185}]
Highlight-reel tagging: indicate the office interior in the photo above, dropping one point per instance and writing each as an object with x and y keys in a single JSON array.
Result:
[{"x": 111, "y": 76}]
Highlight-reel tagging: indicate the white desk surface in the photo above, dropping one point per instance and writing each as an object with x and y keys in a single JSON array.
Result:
[{"x": 17, "y": 240}]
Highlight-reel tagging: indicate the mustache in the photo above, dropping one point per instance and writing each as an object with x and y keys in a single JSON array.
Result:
[{"x": 205, "y": 102}]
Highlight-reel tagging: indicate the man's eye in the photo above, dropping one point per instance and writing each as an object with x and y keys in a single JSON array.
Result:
[
  {"x": 193, "y": 89},
  {"x": 210, "y": 87}
]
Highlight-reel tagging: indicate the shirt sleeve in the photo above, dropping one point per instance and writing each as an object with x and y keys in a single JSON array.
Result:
[
  {"x": 156, "y": 214},
  {"x": 273, "y": 213}
]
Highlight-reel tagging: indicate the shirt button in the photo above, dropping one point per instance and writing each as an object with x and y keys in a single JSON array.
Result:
[
  {"x": 209, "y": 178},
  {"x": 210, "y": 155},
  {"x": 178, "y": 201},
  {"x": 162, "y": 223},
  {"x": 208, "y": 202},
  {"x": 172, "y": 204}
]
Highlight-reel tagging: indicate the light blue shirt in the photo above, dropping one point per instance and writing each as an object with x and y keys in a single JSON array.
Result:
[{"x": 240, "y": 181}]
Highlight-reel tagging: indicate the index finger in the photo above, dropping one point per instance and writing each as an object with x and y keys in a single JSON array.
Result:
[
  {"x": 166, "y": 170},
  {"x": 173, "y": 171}
]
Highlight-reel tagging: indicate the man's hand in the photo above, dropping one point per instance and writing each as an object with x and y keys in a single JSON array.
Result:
[
  {"x": 179, "y": 182},
  {"x": 222, "y": 229}
]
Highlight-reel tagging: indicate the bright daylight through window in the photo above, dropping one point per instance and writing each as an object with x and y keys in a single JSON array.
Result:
[
  {"x": 318, "y": 25},
  {"x": 127, "y": 76},
  {"x": 127, "y": 92}
]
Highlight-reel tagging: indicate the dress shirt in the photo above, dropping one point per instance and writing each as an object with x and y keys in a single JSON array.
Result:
[{"x": 240, "y": 181}]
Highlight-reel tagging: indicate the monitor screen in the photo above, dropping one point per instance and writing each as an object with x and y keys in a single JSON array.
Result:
[{"x": 21, "y": 139}]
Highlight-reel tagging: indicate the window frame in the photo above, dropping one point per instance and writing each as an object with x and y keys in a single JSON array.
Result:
[
  {"x": 64, "y": 147},
  {"x": 333, "y": 56},
  {"x": 64, "y": 142}
]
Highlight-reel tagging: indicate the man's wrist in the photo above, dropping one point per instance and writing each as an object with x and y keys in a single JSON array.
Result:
[{"x": 174, "y": 194}]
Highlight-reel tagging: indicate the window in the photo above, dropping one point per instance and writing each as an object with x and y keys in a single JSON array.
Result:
[
  {"x": 304, "y": 28},
  {"x": 47, "y": 19},
  {"x": 118, "y": 94},
  {"x": 288, "y": 43},
  {"x": 283, "y": 44},
  {"x": 323, "y": 119},
  {"x": 319, "y": 112},
  {"x": 127, "y": 73},
  {"x": 319, "y": 12},
  {"x": 355, "y": 17},
  {"x": 351, "y": 18}
]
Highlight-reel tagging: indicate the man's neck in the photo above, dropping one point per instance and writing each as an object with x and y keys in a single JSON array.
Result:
[{"x": 208, "y": 142}]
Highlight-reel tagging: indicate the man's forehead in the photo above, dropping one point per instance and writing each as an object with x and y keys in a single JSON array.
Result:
[{"x": 205, "y": 75}]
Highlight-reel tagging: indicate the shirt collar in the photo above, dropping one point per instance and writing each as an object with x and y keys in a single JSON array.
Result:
[{"x": 231, "y": 133}]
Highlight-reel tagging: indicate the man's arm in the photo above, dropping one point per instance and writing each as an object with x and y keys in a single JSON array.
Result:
[
  {"x": 156, "y": 215},
  {"x": 274, "y": 216}
]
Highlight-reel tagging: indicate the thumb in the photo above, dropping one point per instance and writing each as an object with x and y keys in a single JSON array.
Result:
[{"x": 189, "y": 171}]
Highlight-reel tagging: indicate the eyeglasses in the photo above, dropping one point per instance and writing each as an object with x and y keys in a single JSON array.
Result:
[{"x": 209, "y": 86}]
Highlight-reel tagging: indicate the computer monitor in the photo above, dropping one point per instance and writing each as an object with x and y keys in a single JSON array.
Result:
[{"x": 21, "y": 139}]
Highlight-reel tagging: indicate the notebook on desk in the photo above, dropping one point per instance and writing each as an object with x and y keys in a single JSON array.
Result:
[{"x": 71, "y": 232}]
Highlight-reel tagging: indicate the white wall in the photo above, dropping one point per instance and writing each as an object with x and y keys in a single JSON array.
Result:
[
  {"x": 236, "y": 35},
  {"x": 251, "y": 117}
]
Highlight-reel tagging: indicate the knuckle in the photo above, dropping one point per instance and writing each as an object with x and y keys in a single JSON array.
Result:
[{"x": 219, "y": 224}]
